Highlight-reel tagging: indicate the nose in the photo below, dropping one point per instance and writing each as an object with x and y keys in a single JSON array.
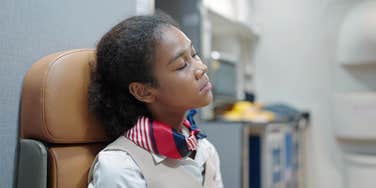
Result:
[{"x": 200, "y": 70}]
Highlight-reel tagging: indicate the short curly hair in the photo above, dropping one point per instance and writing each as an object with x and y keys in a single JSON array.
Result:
[{"x": 125, "y": 54}]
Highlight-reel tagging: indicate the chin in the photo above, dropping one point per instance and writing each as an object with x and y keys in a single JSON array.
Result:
[
  {"x": 208, "y": 99},
  {"x": 202, "y": 101}
]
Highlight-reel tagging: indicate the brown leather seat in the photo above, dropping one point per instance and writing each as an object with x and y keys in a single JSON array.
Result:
[{"x": 54, "y": 111}]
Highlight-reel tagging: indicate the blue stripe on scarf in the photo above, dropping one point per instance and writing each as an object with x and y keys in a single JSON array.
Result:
[
  {"x": 191, "y": 120},
  {"x": 181, "y": 144}
]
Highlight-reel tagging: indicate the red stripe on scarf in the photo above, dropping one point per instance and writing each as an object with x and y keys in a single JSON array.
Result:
[
  {"x": 161, "y": 139},
  {"x": 143, "y": 134}
]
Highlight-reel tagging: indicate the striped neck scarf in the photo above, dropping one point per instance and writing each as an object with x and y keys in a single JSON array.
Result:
[{"x": 159, "y": 138}]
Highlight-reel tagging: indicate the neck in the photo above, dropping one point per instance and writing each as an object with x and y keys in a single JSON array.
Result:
[{"x": 172, "y": 118}]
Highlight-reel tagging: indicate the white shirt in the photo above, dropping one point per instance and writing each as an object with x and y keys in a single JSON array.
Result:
[{"x": 118, "y": 169}]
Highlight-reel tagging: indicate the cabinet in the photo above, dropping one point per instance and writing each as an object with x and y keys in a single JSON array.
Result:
[
  {"x": 259, "y": 155},
  {"x": 227, "y": 48}
]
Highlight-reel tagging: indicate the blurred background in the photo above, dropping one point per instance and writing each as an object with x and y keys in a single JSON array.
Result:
[{"x": 294, "y": 80}]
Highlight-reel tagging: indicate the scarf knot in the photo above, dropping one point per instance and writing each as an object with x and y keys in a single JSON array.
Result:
[{"x": 161, "y": 139}]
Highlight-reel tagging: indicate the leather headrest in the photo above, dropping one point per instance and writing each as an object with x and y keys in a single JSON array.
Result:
[{"x": 54, "y": 104}]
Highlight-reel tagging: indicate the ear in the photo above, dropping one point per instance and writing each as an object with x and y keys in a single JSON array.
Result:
[{"x": 142, "y": 92}]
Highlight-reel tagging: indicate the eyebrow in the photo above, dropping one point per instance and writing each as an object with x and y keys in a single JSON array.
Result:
[{"x": 180, "y": 53}]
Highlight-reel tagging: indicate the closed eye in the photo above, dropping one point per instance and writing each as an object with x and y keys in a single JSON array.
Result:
[{"x": 182, "y": 67}]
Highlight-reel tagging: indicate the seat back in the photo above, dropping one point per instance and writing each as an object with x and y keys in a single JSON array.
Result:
[{"x": 58, "y": 134}]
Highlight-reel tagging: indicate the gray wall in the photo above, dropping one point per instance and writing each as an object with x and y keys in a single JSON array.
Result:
[
  {"x": 33, "y": 29},
  {"x": 293, "y": 60}
]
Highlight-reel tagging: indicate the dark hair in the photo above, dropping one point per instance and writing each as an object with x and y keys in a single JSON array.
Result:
[{"x": 125, "y": 54}]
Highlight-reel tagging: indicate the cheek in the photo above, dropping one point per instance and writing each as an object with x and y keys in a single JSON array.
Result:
[
  {"x": 178, "y": 87},
  {"x": 178, "y": 91},
  {"x": 177, "y": 82}
]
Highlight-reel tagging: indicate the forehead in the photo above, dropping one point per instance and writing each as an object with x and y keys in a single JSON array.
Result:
[
  {"x": 171, "y": 41},
  {"x": 173, "y": 36}
]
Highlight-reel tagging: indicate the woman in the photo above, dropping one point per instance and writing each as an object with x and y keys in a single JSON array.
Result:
[{"x": 146, "y": 79}]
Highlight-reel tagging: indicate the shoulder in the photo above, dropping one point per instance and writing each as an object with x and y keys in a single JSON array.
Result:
[
  {"x": 214, "y": 157},
  {"x": 208, "y": 147},
  {"x": 114, "y": 163},
  {"x": 116, "y": 168},
  {"x": 115, "y": 159}
]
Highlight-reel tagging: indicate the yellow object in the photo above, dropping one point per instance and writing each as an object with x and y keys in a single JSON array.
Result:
[{"x": 247, "y": 111}]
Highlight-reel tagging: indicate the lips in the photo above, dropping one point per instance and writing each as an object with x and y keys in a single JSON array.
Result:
[{"x": 206, "y": 87}]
